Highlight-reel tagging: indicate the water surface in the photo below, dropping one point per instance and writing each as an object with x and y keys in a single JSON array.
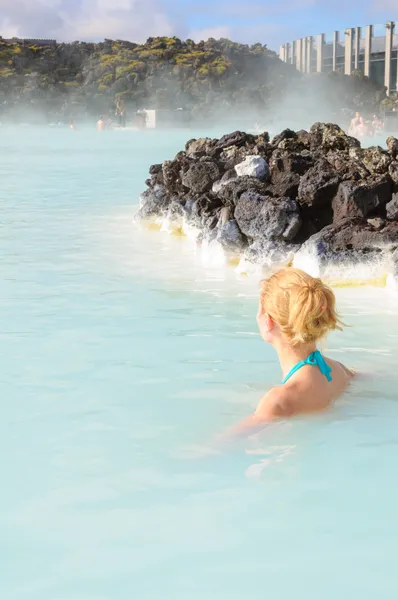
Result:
[{"x": 122, "y": 356}]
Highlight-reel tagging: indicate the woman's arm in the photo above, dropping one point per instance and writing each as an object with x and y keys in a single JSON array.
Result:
[{"x": 273, "y": 406}]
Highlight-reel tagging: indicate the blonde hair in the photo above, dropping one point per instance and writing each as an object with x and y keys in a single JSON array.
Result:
[{"x": 303, "y": 307}]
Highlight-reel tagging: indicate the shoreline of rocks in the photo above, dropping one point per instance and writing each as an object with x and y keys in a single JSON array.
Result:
[{"x": 312, "y": 198}]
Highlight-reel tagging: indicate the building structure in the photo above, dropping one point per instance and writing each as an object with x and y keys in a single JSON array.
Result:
[
  {"x": 29, "y": 41},
  {"x": 372, "y": 50}
]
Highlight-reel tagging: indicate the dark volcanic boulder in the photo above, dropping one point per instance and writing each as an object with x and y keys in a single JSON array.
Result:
[
  {"x": 393, "y": 171},
  {"x": 270, "y": 218},
  {"x": 171, "y": 170},
  {"x": 392, "y": 145},
  {"x": 155, "y": 169},
  {"x": 153, "y": 202},
  {"x": 376, "y": 160},
  {"x": 200, "y": 210},
  {"x": 327, "y": 136},
  {"x": 201, "y": 147},
  {"x": 316, "y": 192},
  {"x": 199, "y": 178},
  {"x": 292, "y": 146},
  {"x": 230, "y": 236},
  {"x": 392, "y": 208},
  {"x": 156, "y": 173},
  {"x": 286, "y": 185},
  {"x": 286, "y": 134},
  {"x": 319, "y": 185},
  {"x": 355, "y": 234},
  {"x": 283, "y": 162},
  {"x": 349, "y": 167},
  {"x": 350, "y": 242},
  {"x": 237, "y": 138},
  {"x": 228, "y": 177},
  {"x": 304, "y": 138},
  {"x": 232, "y": 191},
  {"x": 360, "y": 199},
  {"x": 230, "y": 157}
]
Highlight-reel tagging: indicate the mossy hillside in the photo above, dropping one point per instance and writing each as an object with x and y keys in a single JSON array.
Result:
[{"x": 206, "y": 78}]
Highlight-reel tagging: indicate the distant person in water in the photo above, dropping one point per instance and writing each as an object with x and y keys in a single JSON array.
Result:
[
  {"x": 357, "y": 126},
  {"x": 101, "y": 123},
  {"x": 377, "y": 124},
  {"x": 295, "y": 312},
  {"x": 121, "y": 112},
  {"x": 72, "y": 125}
]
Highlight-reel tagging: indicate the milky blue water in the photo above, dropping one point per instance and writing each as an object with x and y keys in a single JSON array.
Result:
[{"x": 121, "y": 357}]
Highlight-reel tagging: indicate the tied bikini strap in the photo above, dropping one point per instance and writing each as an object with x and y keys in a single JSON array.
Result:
[{"x": 315, "y": 360}]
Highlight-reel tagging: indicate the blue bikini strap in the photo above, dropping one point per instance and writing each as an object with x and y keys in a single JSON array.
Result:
[{"x": 316, "y": 360}]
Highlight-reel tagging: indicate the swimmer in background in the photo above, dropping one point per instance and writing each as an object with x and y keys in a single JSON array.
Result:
[
  {"x": 377, "y": 124},
  {"x": 72, "y": 125},
  {"x": 356, "y": 126},
  {"x": 101, "y": 124},
  {"x": 121, "y": 112},
  {"x": 295, "y": 312}
]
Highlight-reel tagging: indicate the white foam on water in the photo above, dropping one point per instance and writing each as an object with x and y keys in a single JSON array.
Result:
[
  {"x": 211, "y": 255},
  {"x": 193, "y": 233},
  {"x": 341, "y": 271},
  {"x": 248, "y": 267},
  {"x": 308, "y": 262},
  {"x": 392, "y": 282},
  {"x": 171, "y": 225}
]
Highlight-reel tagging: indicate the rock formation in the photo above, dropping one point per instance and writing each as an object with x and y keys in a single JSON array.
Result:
[{"x": 314, "y": 197}]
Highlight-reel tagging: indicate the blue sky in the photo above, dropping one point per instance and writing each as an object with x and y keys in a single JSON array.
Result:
[{"x": 270, "y": 22}]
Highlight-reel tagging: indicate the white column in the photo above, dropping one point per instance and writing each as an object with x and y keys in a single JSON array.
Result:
[
  {"x": 299, "y": 55},
  {"x": 304, "y": 55},
  {"x": 357, "y": 47},
  {"x": 368, "y": 49},
  {"x": 310, "y": 45},
  {"x": 336, "y": 39},
  {"x": 294, "y": 55},
  {"x": 348, "y": 51},
  {"x": 387, "y": 68},
  {"x": 396, "y": 83},
  {"x": 282, "y": 53},
  {"x": 288, "y": 55},
  {"x": 320, "y": 43}
]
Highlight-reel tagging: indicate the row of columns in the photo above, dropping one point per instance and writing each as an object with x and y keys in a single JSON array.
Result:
[{"x": 301, "y": 52}]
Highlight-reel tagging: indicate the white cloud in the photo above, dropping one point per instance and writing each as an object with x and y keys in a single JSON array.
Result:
[
  {"x": 250, "y": 10},
  {"x": 210, "y": 32},
  {"x": 266, "y": 33},
  {"x": 249, "y": 21},
  {"x": 68, "y": 20}
]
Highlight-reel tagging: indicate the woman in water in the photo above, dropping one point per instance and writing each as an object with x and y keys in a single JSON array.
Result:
[
  {"x": 295, "y": 312},
  {"x": 357, "y": 126}
]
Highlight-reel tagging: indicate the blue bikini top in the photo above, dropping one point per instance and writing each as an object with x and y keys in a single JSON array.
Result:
[{"x": 315, "y": 360}]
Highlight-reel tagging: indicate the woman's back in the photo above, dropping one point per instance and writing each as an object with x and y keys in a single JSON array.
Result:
[{"x": 310, "y": 389}]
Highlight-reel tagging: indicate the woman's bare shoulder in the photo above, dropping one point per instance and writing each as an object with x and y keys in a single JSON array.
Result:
[
  {"x": 276, "y": 404},
  {"x": 350, "y": 373}
]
